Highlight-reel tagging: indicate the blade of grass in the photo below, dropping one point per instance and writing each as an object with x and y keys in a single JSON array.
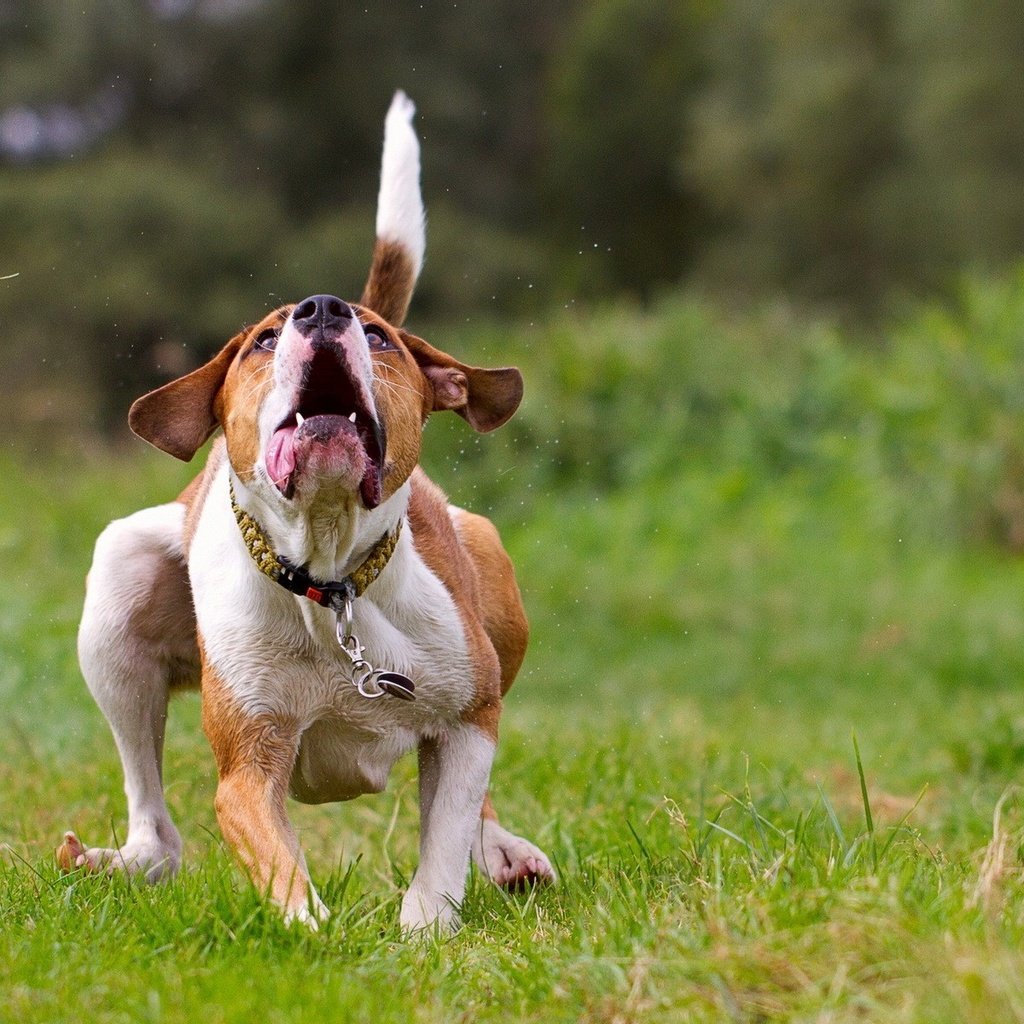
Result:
[
  {"x": 899, "y": 824},
  {"x": 867, "y": 803},
  {"x": 833, "y": 820}
]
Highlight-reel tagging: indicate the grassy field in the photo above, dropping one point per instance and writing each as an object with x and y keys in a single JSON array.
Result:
[{"x": 771, "y": 726}]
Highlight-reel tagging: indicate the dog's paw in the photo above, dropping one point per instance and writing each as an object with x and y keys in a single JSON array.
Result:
[
  {"x": 312, "y": 916},
  {"x": 427, "y": 913},
  {"x": 153, "y": 861},
  {"x": 510, "y": 861}
]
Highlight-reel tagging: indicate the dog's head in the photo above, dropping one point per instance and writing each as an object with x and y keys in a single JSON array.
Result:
[
  {"x": 325, "y": 399},
  {"x": 322, "y": 396}
]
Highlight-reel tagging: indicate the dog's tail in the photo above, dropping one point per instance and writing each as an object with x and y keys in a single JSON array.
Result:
[{"x": 401, "y": 234}]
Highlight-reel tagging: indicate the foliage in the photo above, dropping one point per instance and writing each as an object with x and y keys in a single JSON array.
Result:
[
  {"x": 859, "y": 146},
  {"x": 77, "y": 264},
  {"x": 924, "y": 418},
  {"x": 615, "y": 114}
]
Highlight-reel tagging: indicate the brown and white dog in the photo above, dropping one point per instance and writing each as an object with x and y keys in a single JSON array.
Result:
[{"x": 311, "y": 578}]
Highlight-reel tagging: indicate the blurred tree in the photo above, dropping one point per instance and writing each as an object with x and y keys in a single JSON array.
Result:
[
  {"x": 56, "y": 96},
  {"x": 859, "y": 147},
  {"x": 474, "y": 70},
  {"x": 127, "y": 274},
  {"x": 793, "y": 135},
  {"x": 962, "y": 194},
  {"x": 619, "y": 89},
  {"x": 168, "y": 167}
]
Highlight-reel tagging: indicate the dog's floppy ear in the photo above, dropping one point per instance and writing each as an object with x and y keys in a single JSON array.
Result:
[
  {"x": 484, "y": 398},
  {"x": 179, "y": 417}
]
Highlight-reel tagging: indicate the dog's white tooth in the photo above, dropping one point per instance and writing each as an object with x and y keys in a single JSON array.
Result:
[
  {"x": 352, "y": 418},
  {"x": 299, "y": 419}
]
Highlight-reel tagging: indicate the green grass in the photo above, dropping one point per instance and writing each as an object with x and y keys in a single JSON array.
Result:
[{"x": 772, "y": 705}]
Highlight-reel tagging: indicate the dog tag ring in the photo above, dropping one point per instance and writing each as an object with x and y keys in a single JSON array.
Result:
[
  {"x": 369, "y": 681},
  {"x": 362, "y": 678}
]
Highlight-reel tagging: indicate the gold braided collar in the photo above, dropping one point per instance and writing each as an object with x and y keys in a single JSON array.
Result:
[{"x": 332, "y": 593}]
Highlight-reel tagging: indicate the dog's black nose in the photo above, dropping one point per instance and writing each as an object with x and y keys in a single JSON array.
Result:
[{"x": 321, "y": 312}]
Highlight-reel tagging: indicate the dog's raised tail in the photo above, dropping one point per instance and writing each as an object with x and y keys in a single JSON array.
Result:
[{"x": 401, "y": 233}]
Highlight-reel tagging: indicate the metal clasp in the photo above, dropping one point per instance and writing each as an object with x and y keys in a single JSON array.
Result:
[{"x": 369, "y": 681}]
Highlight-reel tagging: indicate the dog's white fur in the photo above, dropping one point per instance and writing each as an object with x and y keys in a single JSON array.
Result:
[
  {"x": 400, "y": 214},
  {"x": 272, "y": 660},
  {"x": 130, "y": 654}
]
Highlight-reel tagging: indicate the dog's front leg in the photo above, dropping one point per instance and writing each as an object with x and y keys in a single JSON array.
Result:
[
  {"x": 252, "y": 817},
  {"x": 255, "y": 756},
  {"x": 456, "y": 769}
]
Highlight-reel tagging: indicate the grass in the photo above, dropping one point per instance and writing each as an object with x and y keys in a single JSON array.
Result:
[{"x": 770, "y": 729}]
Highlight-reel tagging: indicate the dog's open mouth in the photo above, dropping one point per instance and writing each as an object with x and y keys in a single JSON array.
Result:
[{"x": 331, "y": 424}]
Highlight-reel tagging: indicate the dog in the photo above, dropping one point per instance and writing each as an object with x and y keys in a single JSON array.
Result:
[{"x": 334, "y": 609}]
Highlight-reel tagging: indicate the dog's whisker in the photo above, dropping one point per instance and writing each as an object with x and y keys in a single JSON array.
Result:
[
  {"x": 258, "y": 381},
  {"x": 395, "y": 387}
]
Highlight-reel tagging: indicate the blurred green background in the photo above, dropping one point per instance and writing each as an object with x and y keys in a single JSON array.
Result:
[{"x": 172, "y": 168}]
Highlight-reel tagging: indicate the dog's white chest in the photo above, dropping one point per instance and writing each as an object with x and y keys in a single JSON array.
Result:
[
  {"x": 353, "y": 741},
  {"x": 279, "y": 655}
]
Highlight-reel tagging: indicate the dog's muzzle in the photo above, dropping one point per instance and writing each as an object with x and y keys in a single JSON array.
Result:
[{"x": 333, "y": 413}]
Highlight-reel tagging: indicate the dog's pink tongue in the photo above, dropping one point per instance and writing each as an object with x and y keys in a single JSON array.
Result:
[{"x": 280, "y": 457}]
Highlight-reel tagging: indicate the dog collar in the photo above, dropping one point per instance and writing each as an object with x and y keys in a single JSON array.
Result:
[
  {"x": 337, "y": 595},
  {"x": 330, "y": 593}
]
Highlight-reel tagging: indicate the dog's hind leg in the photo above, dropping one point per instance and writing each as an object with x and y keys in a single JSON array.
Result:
[
  {"x": 508, "y": 860},
  {"x": 136, "y": 640}
]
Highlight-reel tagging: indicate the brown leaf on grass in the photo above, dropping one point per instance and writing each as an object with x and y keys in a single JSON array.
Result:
[{"x": 843, "y": 789}]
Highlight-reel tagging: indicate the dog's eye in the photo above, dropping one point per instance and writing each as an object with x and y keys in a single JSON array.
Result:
[
  {"x": 377, "y": 340},
  {"x": 267, "y": 339}
]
